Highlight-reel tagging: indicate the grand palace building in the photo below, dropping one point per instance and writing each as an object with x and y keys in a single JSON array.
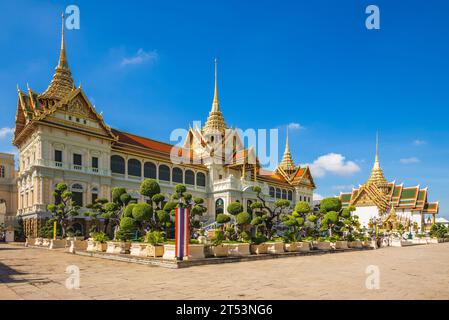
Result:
[{"x": 62, "y": 138}]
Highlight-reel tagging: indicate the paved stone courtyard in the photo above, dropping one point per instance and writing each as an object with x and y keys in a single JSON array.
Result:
[{"x": 417, "y": 272}]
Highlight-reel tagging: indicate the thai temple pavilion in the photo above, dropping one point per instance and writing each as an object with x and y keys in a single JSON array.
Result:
[{"x": 389, "y": 204}]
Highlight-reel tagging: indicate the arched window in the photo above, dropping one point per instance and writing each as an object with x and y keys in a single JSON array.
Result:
[
  {"x": 219, "y": 206},
  {"x": 290, "y": 195},
  {"x": 272, "y": 192},
  {"x": 117, "y": 164},
  {"x": 177, "y": 175},
  {"x": 189, "y": 177},
  {"x": 284, "y": 194},
  {"x": 134, "y": 168},
  {"x": 2, "y": 171},
  {"x": 149, "y": 170},
  {"x": 278, "y": 193},
  {"x": 201, "y": 179},
  {"x": 164, "y": 172}
]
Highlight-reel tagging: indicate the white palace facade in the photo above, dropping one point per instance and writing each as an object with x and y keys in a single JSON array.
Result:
[{"x": 62, "y": 138}]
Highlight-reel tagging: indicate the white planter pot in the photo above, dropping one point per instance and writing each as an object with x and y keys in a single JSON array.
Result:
[
  {"x": 341, "y": 245},
  {"x": 275, "y": 247},
  {"x": 91, "y": 245},
  {"x": 196, "y": 251},
  {"x": 322, "y": 245},
  {"x": 169, "y": 252},
  {"x": 30, "y": 242},
  {"x": 303, "y": 246},
  {"x": 291, "y": 247},
  {"x": 100, "y": 247},
  {"x": 259, "y": 248},
  {"x": 221, "y": 250},
  {"x": 355, "y": 244},
  {"x": 238, "y": 249},
  {"x": 77, "y": 245},
  {"x": 57, "y": 244},
  {"x": 118, "y": 247}
]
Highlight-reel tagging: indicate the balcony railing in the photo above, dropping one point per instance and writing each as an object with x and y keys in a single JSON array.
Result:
[{"x": 71, "y": 167}]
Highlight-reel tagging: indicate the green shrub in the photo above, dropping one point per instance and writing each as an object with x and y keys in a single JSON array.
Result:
[
  {"x": 117, "y": 192},
  {"x": 223, "y": 218},
  {"x": 149, "y": 188},
  {"x": 128, "y": 211},
  {"x": 218, "y": 238},
  {"x": 235, "y": 208},
  {"x": 245, "y": 236},
  {"x": 158, "y": 198},
  {"x": 243, "y": 218},
  {"x": 111, "y": 206},
  {"x": 142, "y": 212},
  {"x": 128, "y": 228},
  {"x": 259, "y": 239},
  {"x": 256, "y": 221},
  {"x": 169, "y": 206},
  {"x": 162, "y": 216},
  {"x": 330, "y": 204},
  {"x": 302, "y": 207},
  {"x": 100, "y": 237},
  {"x": 155, "y": 238}
]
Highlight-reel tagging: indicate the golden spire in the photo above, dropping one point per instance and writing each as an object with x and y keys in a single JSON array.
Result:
[
  {"x": 287, "y": 163},
  {"x": 62, "y": 82},
  {"x": 377, "y": 176},
  {"x": 215, "y": 122}
]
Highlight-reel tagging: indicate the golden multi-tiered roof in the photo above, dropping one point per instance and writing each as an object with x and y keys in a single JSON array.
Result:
[
  {"x": 376, "y": 176},
  {"x": 287, "y": 163},
  {"x": 215, "y": 122},
  {"x": 62, "y": 83}
]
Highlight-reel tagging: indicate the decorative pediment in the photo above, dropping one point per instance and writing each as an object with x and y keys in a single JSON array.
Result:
[
  {"x": 79, "y": 107},
  {"x": 363, "y": 199}
]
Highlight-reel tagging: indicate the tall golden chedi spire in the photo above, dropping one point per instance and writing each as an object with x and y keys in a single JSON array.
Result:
[
  {"x": 215, "y": 122},
  {"x": 377, "y": 176},
  {"x": 287, "y": 163},
  {"x": 62, "y": 82}
]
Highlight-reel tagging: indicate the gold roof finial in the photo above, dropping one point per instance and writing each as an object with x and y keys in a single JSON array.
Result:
[
  {"x": 377, "y": 176},
  {"x": 287, "y": 163},
  {"x": 62, "y": 82},
  {"x": 215, "y": 122}
]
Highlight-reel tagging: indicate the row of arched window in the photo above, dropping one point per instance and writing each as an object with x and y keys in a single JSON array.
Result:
[
  {"x": 281, "y": 193},
  {"x": 163, "y": 172},
  {"x": 2, "y": 171}
]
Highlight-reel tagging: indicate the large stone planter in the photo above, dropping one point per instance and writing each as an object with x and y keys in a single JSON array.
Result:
[
  {"x": 291, "y": 247},
  {"x": 340, "y": 245},
  {"x": 118, "y": 247},
  {"x": 100, "y": 247},
  {"x": 138, "y": 249},
  {"x": 435, "y": 240},
  {"x": 322, "y": 245},
  {"x": 366, "y": 243},
  {"x": 155, "y": 251},
  {"x": 355, "y": 244},
  {"x": 275, "y": 247},
  {"x": 77, "y": 245},
  {"x": 45, "y": 242},
  {"x": 30, "y": 242},
  {"x": 303, "y": 246},
  {"x": 238, "y": 249},
  {"x": 259, "y": 248},
  {"x": 220, "y": 250},
  {"x": 57, "y": 244},
  {"x": 38, "y": 241},
  {"x": 169, "y": 252},
  {"x": 196, "y": 251}
]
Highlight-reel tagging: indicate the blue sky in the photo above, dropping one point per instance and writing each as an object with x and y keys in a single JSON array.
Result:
[{"x": 149, "y": 67}]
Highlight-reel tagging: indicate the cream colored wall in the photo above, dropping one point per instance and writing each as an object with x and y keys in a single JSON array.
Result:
[{"x": 8, "y": 188}]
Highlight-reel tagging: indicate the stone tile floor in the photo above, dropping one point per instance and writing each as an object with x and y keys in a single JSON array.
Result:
[{"x": 416, "y": 272}]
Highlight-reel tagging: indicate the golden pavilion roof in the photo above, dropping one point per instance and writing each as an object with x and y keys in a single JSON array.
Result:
[
  {"x": 215, "y": 122},
  {"x": 376, "y": 176},
  {"x": 62, "y": 83},
  {"x": 287, "y": 163}
]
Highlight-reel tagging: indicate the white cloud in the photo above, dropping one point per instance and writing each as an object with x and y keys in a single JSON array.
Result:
[
  {"x": 410, "y": 160},
  {"x": 333, "y": 163},
  {"x": 140, "y": 57},
  {"x": 317, "y": 196},
  {"x": 343, "y": 187},
  {"x": 6, "y": 132},
  {"x": 294, "y": 126},
  {"x": 419, "y": 142}
]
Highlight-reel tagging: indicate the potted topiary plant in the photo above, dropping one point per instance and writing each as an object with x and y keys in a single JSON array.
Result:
[
  {"x": 338, "y": 243},
  {"x": 156, "y": 243},
  {"x": 99, "y": 242},
  {"x": 240, "y": 247},
  {"x": 258, "y": 245},
  {"x": 275, "y": 246},
  {"x": 217, "y": 248},
  {"x": 322, "y": 243}
]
